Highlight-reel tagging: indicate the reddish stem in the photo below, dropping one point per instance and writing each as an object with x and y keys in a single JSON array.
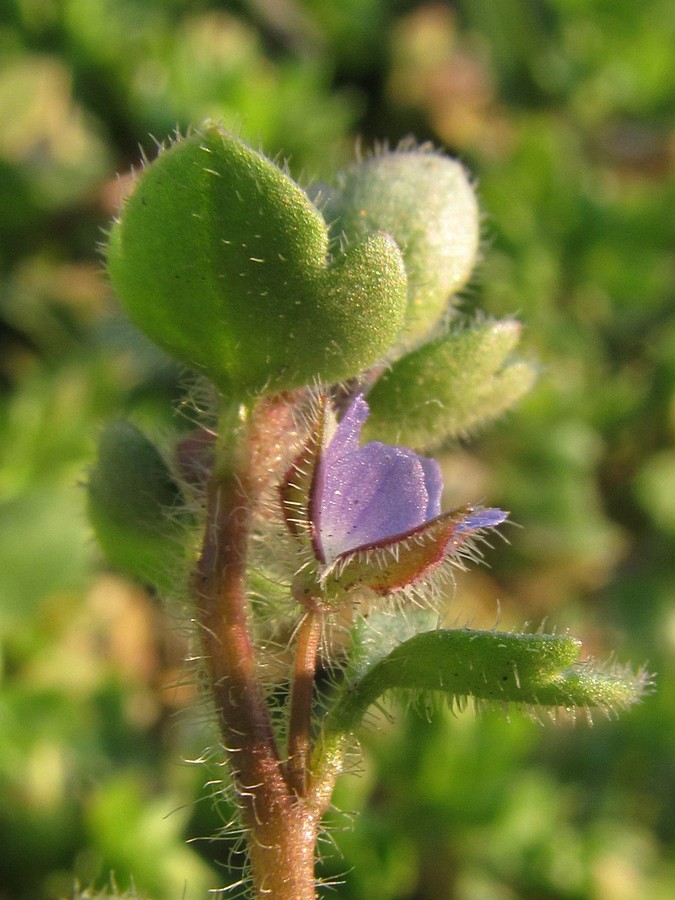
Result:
[
  {"x": 222, "y": 614},
  {"x": 281, "y": 825},
  {"x": 299, "y": 730}
]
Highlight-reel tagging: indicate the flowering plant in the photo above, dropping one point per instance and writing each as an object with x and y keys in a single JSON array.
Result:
[{"x": 299, "y": 535}]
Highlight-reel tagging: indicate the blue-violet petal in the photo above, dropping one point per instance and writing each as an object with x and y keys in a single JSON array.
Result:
[{"x": 365, "y": 495}]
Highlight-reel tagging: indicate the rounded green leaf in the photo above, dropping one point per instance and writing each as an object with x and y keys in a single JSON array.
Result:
[
  {"x": 426, "y": 202},
  {"x": 222, "y": 259}
]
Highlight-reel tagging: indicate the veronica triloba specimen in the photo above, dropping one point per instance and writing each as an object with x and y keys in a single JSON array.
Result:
[{"x": 224, "y": 261}]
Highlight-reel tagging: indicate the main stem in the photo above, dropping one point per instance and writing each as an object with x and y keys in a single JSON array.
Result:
[{"x": 281, "y": 826}]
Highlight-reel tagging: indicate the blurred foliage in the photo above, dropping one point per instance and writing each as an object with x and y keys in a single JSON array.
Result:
[{"x": 564, "y": 112}]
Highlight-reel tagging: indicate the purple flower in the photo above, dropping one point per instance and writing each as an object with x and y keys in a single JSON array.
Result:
[
  {"x": 371, "y": 514},
  {"x": 364, "y": 495}
]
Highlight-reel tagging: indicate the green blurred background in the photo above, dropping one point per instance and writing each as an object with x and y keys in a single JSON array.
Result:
[{"x": 564, "y": 111}]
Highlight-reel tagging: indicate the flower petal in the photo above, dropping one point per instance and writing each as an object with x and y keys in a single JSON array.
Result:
[{"x": 364, "y": 495}]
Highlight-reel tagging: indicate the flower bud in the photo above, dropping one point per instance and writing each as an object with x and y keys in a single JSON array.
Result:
[{"x": 425, "y": 201}]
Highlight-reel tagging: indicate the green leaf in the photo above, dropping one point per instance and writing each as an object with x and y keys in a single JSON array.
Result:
[
  {"x": 448, "y": 387},
  {"x": 425, "y": 201},
  {"x": 536, "y": 670},
  {"x": 222, "y": 259},
  {"x": 136, "y": 507}
]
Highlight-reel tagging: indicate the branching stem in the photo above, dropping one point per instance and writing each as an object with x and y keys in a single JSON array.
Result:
[{"x": 280, "y": 816}]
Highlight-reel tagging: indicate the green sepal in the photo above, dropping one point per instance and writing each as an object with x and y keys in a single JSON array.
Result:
[
  {"x": 222, "y": 260},
  {"x": 426, "y": 202},
  {"x": 136, "y": 507},
  {"x": 493, "y": 667},
  {"x": 397, "y": 563},
  {"x": 450, "y": 386}
]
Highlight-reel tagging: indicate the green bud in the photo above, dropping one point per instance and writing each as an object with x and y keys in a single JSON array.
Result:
[
  {"x": 425, "y": 201},
  {"x": 135, "y": 506},
  {"x": 490, "y": 666},
  {"x": 448, "y": 387},
  {"x": 222, "y": 260}
]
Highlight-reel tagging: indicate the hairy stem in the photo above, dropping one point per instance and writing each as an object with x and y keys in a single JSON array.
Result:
[
  {"x": 300, "y": 730},
  {"x": 220, "y": 591},
  {"x": 281, "y": 826}
]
